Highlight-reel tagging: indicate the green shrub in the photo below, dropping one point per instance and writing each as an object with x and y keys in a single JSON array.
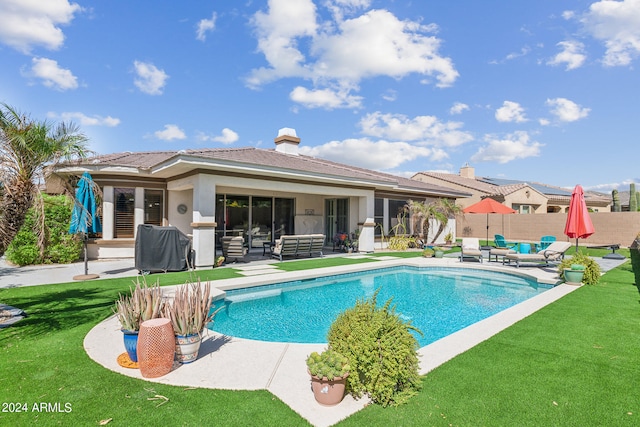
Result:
[
  {"x": 381, "y": 349},
  {"x": 402, "y": 243},
  {"x": 59, "y": 246},
  {"x": 591, "y": 268}
]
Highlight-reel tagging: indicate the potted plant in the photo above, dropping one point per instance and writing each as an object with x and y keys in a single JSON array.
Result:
[
  {"x": 189, "y": 312},
  {"x": 438, "y": 252},
  {"x": 329, "y": 371},
  {"x": 143, "y": 303},
  {"x": 448, "y": 238},
  {"x": 634, "y": 253},
  {"x": 428, "y": 252},
  {"x": 574, "y": 274},
  {"x": 219, "y": 261}
]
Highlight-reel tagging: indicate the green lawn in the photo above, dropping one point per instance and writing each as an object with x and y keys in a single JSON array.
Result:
[{"x": 575, "y": 362}]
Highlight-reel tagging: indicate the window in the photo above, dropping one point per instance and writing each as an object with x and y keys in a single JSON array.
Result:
[
  {"x": 523, "y": 209},
  {"x": 153, "y": 207},
  {"x": 378, "y": 213},
  {"x": 124, "y": 208}
]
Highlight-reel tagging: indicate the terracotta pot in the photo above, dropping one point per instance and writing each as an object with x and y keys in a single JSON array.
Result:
[{"x": 328, "y": 392}]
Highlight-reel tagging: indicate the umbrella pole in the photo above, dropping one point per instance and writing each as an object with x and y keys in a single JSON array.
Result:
[{"x": 86, "y": 262}]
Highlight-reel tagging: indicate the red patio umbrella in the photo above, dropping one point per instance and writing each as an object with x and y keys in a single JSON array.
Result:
[
  {"x": 579, "y": 225},
  {"x": 487, "y": 206}
]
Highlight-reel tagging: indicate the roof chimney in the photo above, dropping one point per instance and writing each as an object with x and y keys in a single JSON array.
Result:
[
  {"x": 468, "y": 171},
  {"x": 287, "y": 141}
]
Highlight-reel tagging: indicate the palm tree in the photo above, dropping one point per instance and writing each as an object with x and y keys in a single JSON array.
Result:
[
  {"x": 28, "y": 150},
  {"x": 444, "y": 209},
  {"x": 420, "y": 212}
]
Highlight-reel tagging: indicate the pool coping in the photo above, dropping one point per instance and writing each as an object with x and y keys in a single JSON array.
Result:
[{"x": 240, "y": 364}]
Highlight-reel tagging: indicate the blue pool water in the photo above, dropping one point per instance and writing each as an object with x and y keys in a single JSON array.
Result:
[{"x": 439, "y": 301}]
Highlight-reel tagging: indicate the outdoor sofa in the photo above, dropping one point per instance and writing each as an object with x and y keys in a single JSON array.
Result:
[
  {"x": 554, "y": 252},
  {"x": 298, "y": 245}
]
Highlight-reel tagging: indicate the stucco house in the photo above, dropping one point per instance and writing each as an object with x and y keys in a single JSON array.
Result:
[
  {"x": 524, "y": 197},
  {"x": 260, "y": 194}
]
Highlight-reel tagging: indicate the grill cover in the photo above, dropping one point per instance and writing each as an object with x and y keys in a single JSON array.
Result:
[{"x": 161, "y": 249}]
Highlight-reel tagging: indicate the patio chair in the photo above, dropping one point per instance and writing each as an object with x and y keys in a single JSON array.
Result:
[
  {"x": 233, "y": 249},
  {"x": 545, "y": 241},
  {"x": 554, "y": 252},
  {"x": 501, "y": 242},
  {"x": 470, "y": 249}
]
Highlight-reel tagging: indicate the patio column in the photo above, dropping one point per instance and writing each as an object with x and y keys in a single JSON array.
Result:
[
  {"x": 107, "y": 212},
  {"x": 204, "y": 225},
  {"x": 367, "y": 233}
]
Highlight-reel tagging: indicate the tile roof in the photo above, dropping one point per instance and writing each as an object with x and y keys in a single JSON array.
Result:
[
  {"x": 260, "y": 159},
  {"x": 503, "y": 187}
]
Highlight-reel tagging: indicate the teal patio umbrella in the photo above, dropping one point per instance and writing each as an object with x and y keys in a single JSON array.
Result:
[{"x": 85, "y": 218}]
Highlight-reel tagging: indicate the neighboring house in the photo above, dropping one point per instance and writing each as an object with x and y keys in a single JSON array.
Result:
[
  {"x": 259, "y": 194},
  {"x": 524, "y": 197}
]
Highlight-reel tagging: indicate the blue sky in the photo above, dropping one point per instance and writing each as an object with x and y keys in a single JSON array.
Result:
[{"x": 543, "y": 90}]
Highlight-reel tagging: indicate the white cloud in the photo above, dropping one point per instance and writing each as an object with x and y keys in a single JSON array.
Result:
[
  {"x": 340, "y": 8},
  {"x": 325, "y": 98},
  {"x": 28, "y": 23},
  {"x": 170, "y": 133},
  {"x": 52, "y": 75},
  {"x": 390, "y": 95},
  {"x": 517, "y": 145},
  {"x": 544, "y": 122},
  {"x": 566, "y": 110},
  {"x": 340, "y": 53},
  {"x": 423, "y": 130},
  {"x": 227, "y": 137},
  {"x": 458, "y": 108},
  {"x": 572, "y": 55},
  {"x": 381, "y": 155},
  {"x": 150, "y": 79},
  {"x": 510, "y": 112},
  {"x": 204, "y": 26},
  {"x": 84, "y": 120},
  {"x": 617, "y": 24}
]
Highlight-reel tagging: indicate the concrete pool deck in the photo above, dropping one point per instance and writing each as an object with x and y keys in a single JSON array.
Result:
[{"x": 240, "y": 364}]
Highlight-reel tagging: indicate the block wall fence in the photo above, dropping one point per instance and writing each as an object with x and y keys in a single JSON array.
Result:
[{"x": 611, "y": 227}]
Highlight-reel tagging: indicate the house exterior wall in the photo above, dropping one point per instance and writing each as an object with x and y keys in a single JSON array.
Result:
[
  {"x": 198, "y": 193},
  {"x": 611, "y": 227},
  {"x": 526, "y": 196}
]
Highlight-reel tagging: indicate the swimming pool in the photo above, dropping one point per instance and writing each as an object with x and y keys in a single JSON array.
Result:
[{"x": 437, "y": 300}]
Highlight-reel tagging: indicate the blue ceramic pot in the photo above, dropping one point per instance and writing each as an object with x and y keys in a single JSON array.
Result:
[{"x": 131, "y": 344}]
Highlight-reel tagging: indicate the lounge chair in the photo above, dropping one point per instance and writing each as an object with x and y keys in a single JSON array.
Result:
[
  {"x": 554, "y": 252},
  {"x": 500, "y": 252},
  {"x": 470, "y": 249}
]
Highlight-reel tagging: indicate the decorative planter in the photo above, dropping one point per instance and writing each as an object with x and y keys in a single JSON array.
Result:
[
  {"x": 439, "y": 254},
  {"x": 131, "y": 344},
  {"x": 156, "y": 347},
  {"x": 187, "y": 347},
  {"x": 573, "y": 277},
  {"x": 328, "y": 392}
]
